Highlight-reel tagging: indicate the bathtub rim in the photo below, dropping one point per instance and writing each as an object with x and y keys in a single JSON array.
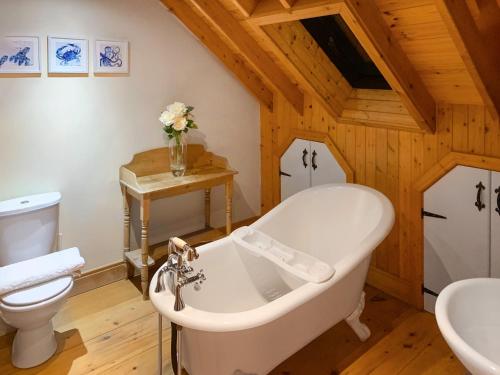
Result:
[{"x": 202, "y": 320}]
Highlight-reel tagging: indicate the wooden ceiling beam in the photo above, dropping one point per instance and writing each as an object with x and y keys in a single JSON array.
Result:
[
  {"x": 246, "y": 7},
  {"x": 218, "y": 47},
  {"x": 366, "y": 22},
  {"x": 253, "y": 52},
  {"x": 287, "y": 4},
  {"x": 270, "y": 11},
  {"x": 480, "y": 58}
]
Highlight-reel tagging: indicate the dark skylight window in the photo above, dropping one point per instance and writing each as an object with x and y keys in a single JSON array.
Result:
[{"x": 344, "y": 51}]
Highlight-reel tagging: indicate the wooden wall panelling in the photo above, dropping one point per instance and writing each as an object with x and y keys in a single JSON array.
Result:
[
  {"x": 227, "y": 25},
  {"x": 404, "y": 188},
  {"x": 393, "y": 161},
  {"x": 234, "y": 62},
  {"x": 392, "y": 193},
  {"x": 492, "y": 132},
  {"x": 444, "y": 130},
  {"x": 480, "y": 58},
  {"x": 367, "y": 24},
  {"x": 460, "y": 128},
  {"x": 476, "y": 133}
]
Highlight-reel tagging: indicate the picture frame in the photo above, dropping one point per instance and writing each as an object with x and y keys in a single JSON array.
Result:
[
  {"x": 68, "y": 55},
  {"x": 111, "y": 57},
  {"x": 20, "y": 55}
]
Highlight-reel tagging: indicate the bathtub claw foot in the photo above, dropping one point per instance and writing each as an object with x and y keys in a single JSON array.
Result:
[{"x": 360, "y": 329}]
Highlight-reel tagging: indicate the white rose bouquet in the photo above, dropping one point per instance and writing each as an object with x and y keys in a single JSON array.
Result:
[{"x": 177, "y": 119}]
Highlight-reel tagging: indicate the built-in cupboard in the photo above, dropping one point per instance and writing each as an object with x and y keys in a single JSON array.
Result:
[
  {"x": 305, "y": 164},
  {"x": 461, "y": 229}
]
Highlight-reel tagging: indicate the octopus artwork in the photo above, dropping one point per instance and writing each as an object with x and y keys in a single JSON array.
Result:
[
  {"x": 21, "y": 58},
  {"x": 111, "y": 57},
  {"x": 69, "y": 54}
]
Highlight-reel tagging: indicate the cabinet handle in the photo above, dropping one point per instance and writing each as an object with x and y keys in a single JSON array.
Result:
[
  {"x": 314, "y": 165},
  {"x": 497, "y": 190},
  {"x": 479, "y": 204},
  {"x": 304, "y": 155}
]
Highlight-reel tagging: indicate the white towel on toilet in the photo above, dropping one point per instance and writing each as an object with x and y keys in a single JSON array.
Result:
[{"x": 35, "y": 271}]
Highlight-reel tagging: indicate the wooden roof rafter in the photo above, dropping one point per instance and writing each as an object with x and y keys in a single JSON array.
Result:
[
  {"x": 246, "y": 7},
  {"x": 227, "y": 25},
  {"x": 479, "y": 56},
  {"x": 218, "y": 47}
]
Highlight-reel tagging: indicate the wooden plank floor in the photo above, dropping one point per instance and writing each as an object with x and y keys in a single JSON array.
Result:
[{"x": 111, "y": 330}]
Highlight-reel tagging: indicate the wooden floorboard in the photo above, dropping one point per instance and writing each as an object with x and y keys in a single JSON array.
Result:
[{"x": 111, "y": 330}]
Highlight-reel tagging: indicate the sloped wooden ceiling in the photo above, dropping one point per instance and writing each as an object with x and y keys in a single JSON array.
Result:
[{"x": 410, "y": 41}]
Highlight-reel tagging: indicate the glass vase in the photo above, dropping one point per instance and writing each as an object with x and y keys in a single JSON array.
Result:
[{"x": 178, "y": 155}]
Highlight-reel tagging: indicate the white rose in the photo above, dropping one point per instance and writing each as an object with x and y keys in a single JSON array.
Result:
[
  {"x": 180, "y": 124},
  {"x": 177, "y": 109},
  {"x": 167, "y": 118}
]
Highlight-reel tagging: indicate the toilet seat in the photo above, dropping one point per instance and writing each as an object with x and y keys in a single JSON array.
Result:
[{"x": 38, "y": 293}]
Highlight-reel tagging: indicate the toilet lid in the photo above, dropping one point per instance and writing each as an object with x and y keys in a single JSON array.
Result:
[{"x": 38, "y": 293}]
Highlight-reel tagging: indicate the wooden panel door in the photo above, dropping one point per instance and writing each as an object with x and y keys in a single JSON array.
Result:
[
  {"x": 456, "y": 247},
  {"x": 495, "y": 224},
  {"x": 324, "y": 167},
  {"x": 295, "y": 168}
]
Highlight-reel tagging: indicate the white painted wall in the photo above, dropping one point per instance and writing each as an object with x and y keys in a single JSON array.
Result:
[{"x": 72, "y": 134}]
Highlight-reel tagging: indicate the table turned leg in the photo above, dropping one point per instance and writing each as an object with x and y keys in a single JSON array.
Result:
[
  {"x": 145, "y": 203},
  {"x": 127, "y": 200},
  {"x": 229, "y": 205},
  {"x": 207, "y": 207}
]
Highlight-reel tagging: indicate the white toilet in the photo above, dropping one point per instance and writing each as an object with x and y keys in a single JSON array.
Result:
[{"x": 28, "y": 229}]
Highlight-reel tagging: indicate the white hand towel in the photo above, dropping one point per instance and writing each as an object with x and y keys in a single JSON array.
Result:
[{"x": 38, "y": 270}]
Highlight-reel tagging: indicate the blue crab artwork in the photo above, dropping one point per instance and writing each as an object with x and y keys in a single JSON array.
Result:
[
  {"x": 3, "y": 60},
  {"x": 69, "y": 54},
  {"x": 21, "y": 58},
  {"x": 111, "y": 57}
]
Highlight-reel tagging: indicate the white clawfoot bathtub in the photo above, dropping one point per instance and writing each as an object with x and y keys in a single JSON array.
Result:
[{"x": 250, "y": 314}]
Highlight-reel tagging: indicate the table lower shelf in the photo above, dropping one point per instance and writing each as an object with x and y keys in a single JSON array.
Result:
[
  {"x": 160, "y": 250},
  {"x": 134, "y": 257}
]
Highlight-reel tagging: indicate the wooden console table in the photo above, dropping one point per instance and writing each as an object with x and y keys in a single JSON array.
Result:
[{"x": 147, "y": 177}]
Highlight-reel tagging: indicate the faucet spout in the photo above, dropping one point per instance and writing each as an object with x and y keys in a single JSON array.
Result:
[{"x": 180, "y": 253}]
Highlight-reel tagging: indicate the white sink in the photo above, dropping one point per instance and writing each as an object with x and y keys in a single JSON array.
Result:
[{"x": 468, "y": 315}]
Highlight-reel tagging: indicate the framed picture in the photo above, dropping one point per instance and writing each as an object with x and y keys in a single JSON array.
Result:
[
  {"x": 69, "y": 56},
  {"x": 19, "y": 54},
  {"x": 111, "y": 57}
]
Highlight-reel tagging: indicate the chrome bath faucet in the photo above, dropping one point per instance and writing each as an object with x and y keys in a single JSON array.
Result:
[{"x": 180, "y": 254}]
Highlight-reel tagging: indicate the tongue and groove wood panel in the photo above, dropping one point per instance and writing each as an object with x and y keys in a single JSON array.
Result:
[{"x": 391, "y": 161}]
